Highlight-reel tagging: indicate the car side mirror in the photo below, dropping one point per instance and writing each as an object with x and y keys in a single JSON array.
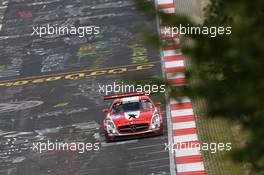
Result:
[{"x": 106, "y": 111}]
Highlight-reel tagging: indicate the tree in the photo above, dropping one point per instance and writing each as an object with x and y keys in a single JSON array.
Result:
[{"x": 228, "y": 70}]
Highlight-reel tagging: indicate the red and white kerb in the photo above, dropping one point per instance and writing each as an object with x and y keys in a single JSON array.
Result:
[
  {"x": 166, "y": 6},
  {"x": 188, "y": 160}
]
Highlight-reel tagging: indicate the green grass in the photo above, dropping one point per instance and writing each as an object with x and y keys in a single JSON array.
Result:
[{"x": 217, "y": 130}]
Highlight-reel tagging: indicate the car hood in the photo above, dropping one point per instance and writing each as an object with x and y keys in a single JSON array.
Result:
[{"x": 132, "y": 117}]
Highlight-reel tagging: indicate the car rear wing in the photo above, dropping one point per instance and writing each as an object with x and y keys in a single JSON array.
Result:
[{"x": 109, "y": 97}]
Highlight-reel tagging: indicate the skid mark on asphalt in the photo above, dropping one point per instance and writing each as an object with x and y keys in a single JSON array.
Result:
[{"x": 18, "y": 105}]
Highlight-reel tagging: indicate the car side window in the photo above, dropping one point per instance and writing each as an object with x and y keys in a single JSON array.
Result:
[
  {"x": 116, "y": 108},
  {"x": 146, "y": 104}
]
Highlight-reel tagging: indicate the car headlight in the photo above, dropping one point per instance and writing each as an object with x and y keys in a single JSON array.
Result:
[
  {"x": 155, "y": 122},
  {"x": 110, "y": 127}
]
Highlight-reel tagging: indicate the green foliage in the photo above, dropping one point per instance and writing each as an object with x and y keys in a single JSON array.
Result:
[{"x": 229, "y": 69}]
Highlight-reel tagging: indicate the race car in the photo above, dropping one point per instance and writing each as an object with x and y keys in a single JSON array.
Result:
[{"x": 132, "y": 114}]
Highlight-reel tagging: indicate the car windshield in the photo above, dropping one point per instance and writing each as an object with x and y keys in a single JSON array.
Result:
[{"x": 132, "y": 106}]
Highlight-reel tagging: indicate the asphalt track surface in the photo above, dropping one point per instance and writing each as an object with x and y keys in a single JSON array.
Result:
[{"x": 43, "y": 97}]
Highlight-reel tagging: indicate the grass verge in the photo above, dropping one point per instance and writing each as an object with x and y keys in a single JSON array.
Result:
[{"x": 217, "y": 130}]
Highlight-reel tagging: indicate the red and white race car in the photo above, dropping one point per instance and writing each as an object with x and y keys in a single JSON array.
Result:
[{"x": 132, "y": 114}]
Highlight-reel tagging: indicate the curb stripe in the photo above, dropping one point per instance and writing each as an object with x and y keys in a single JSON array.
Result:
[
  {"x": 175, "y": 69},
  {"x": 181, "y": 106},
  {"x": 188, "y": 159},
  {"x": 167, "y": 36},
  {"x": 182, "y": 125},
  {"x": 173, "y": 58},
  {"x": 168, "y": 11},
  {"x": 186, "y": 131},
  {"x": 166, "y": 6},
  {"x": 171, "y": 52},
  {"x": 165, "y": 1},
  {"x": 187, "y": 145},
  {"x": 173, "y": 64},
  {"x": 185, "y": 138},
  {"x": 180, "y": 100},
  {"x": 172, "y": 47},
  {"x": 185, "y": 118},
  {"x": 189, "y": 167},
  {"x": 187, "y": 152},
  {"x": 187, "y": 155},
  {"x": 177, "y": 81},
  {"x": 192, "y": 173},
  {"x": 182, "y": 112},
  {"x": 167, "y": 31}
]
